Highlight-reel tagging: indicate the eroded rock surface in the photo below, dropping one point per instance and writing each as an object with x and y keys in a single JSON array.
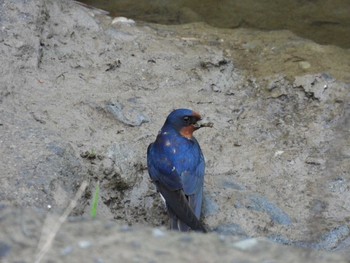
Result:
[{"x": 82, "y": 97}]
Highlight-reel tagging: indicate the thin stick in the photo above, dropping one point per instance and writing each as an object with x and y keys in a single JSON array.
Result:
[{"x": 51, "y": 236}]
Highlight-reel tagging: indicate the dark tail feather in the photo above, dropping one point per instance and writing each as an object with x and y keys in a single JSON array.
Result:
[
  {"x": 175, "y": 223},
  {"x": 179, "y": 208}
]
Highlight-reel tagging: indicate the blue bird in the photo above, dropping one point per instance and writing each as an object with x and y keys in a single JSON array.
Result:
[{"x": 176, "y": 166}]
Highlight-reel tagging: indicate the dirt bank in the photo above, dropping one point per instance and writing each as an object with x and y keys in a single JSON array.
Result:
[{"x": 82, "y": 97}]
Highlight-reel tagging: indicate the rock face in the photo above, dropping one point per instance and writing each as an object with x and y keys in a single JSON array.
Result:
[
  {"x": 101, "y": 241},
  {"x": 82, "y": 97}
]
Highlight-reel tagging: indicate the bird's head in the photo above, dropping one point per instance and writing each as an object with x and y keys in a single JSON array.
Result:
[{"x": 184, "y": 121}]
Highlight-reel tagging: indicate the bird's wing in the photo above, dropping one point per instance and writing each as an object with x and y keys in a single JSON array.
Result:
[
  {"x": 193, "y": 186},
  {"x": 155, "y": 167},
  {"x": 170, "y": 187}
]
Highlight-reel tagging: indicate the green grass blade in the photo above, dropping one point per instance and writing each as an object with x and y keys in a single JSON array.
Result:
[{"x": 94, "y": 206}]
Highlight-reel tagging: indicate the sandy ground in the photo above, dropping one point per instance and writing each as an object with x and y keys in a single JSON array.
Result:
[{"x": 82, "y": 97}]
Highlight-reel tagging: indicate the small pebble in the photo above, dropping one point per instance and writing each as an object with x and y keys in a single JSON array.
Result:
[
  {"x": 156, "y": 232},
  {"x": 127, "y": 114},
  {"x": 84, "y": 244},
  {"x": 277, "y": 153},
  {"x": 122, "y": 20},
  {"x": 304, "y": 64},
  {"x": 246, "y": 244}
]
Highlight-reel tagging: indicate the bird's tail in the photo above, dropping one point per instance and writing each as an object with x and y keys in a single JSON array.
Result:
[
  {"x": 175, "y": 222},
  {"x": 179, "y": 210}
]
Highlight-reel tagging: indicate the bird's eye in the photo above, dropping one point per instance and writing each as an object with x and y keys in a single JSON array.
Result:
[{"x": 186, "y": 118}]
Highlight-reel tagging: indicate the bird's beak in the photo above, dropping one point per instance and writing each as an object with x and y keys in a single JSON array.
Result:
[{"x": 197, "y": 125}]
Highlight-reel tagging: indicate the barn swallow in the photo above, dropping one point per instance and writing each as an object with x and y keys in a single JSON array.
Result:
[{"x": 176, "y": 166}]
